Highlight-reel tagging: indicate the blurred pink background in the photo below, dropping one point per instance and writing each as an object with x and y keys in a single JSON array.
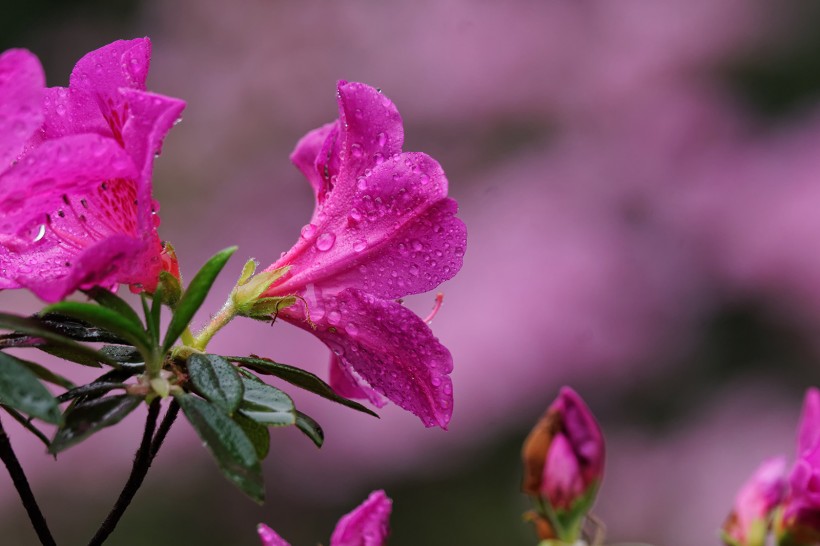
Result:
[{"x": 640, "y": 181}]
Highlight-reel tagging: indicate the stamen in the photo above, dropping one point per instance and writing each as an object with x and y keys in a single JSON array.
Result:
[{"x": 436, "y": 307}]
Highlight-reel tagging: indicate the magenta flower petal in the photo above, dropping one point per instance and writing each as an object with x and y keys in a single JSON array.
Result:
[
  {"x": 269, "y": 537},
  {"x": 756, "y": 501},
  {"x": 21, "y": 98},
  {"x": 366, "y": 525},
  {"x": 389, "y": 347},
  {"x": 308, "y": 152},
  {"x": 383, "y": 227},
  {"x": 77, "y": 209},
  {"x": 808, "y": 430},
  {"x": 345, "y": 383}
]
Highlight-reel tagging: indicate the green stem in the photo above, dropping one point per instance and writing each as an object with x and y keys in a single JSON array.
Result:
[
  {"x": 222, "y": 318},
  {"x": 187, "y": 337}
]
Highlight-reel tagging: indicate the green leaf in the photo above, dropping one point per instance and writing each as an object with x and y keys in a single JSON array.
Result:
[
  {"x": 310, "y": 427},
  {"x": 73, "y": 355},
  {"x": 216, "y": 380},
  {"x": 108, "y": 319},
  {"x": 267, "y": 405},
  {"x": 234, "y": 452},
  {"x": 109, "y": 300},
  {"x": 156, "y": 310},
  {"x": 298, "y": 377},
  {"x": 47, "y": 375},
  {"x": 256, "y": 433},
  {"x": 122, "y": 354},
  {"x": 83, "y": 420},
  {"x": 42, "y": 330},
  {"x": 26, "y": 423},
  {"x": 194, "y": 296},
  {"x": 78, "y": 330},
  {"x": 20, "y": 389},
  {"x": 94, "y": 388}
]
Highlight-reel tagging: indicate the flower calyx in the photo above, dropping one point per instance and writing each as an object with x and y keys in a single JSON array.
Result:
[{"x": 247, "y": 295}]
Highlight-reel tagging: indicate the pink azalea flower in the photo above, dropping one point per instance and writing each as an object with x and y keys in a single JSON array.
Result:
[
  {"x": 366, "y": 525},
  {"x": 75, "y": 172},
  {"x": 801, "y": 516},
  {"x": 748, "y": 524},
  {"x": 564, "y": 454},
  {"x": 382, "y": 228}
]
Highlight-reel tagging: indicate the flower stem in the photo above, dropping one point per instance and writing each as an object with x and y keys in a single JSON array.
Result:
[
  {"x": 142, "y": 462},
  {"x": 218, "y": 321},
  {"x": 21, "y": 484}
]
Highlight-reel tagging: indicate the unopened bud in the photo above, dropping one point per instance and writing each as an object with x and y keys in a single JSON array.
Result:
[{"x": 750, "y": 520}]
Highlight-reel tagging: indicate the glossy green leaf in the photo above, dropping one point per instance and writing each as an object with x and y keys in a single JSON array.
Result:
[
  {"x": 234, "y": 452},
  {"x": 108, "y": 299},
  {"x": 105, "y": 318},
  {"x": 217, "y": 380},
  {"x": 267, "y": 405},
  {"x": 78, "y": 330},
  {"x": 194, "y": 296},
  {"x": 95, "y": 388},
  {"x": 300, "y": 378},
  {"x": 123, "y": 354},
  {"x": 73, "y": 355},
  {"x": 83, "y": 420},
  {"x": 311, "y": 428},
  {"x": 44, "y": 330},
  {"x": 20, "y": 389},
  {"x": 256, "y": 433}
]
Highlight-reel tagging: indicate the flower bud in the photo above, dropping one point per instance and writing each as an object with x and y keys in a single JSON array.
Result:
[
  {"x": 564, "y": 455},
  {"x": 750, "y": 520}
]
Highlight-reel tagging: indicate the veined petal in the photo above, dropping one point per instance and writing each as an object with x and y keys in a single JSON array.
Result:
[
  {"x": 68, "y": 219},
  {"x": 366, "y": 525},
  {"x": 269, "y": 537},
  {"x": 21, "y": 102},
  {"x": 123, "y": 63},
  {"x": 371, "y": 129},
  {"x": 346, "y": 384},
  {"x": 394, "y": 233},
  {"x": 388, "y": 346}
]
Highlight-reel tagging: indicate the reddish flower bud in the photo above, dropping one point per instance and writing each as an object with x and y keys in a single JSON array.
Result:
[
  {"x": 564, "y": 455},
  {"x": 169, "y": 260},
  {"x": 749, "y": 522}
]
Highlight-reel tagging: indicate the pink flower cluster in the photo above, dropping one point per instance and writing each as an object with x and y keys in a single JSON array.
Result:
[
  {"x": 76, "y": 207},
  {"x": 787, "y": 502}
]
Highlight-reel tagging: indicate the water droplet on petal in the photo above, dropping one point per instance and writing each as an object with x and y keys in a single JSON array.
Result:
[
  {"x": 356, "y": 149},
  {"x": 334, "y": 317},
  {"x": 361, "y": 183},
  {"x": 382, "y": 139},
  {"x": 359, "y": 246},
  {"x": 325, "y": 241},
  {"x": 378, "y": 158},
  {"x": 425, "y": 179},
  {"x": 40, "y": 233},
  {"x": 417, "y": 245},
  {"x": 308, "y": 231},
  {"x": 414, "y": 270},
  {"x": 352, "y": 329}
]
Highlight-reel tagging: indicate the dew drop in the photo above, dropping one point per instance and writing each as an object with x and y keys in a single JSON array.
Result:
[
  {"x": 356, "y": 149},
  {"x": 382, "y": 139},
  {"x": 334, "y": 317},
  {"x": 352, "y": 329},
  {"x": 359, "y": 246},
  {"x": 425, "y": 179},
  {"x": 378, "y": 158},
  {"x": 417, "y": 245},
  {"x": 361, "y": 183},
  {"x": 325, "y": 241},
  {"x": 435, "y": 381},
  {"x": 308, "y": 230},
  {"x": 414, "y": 270}
]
